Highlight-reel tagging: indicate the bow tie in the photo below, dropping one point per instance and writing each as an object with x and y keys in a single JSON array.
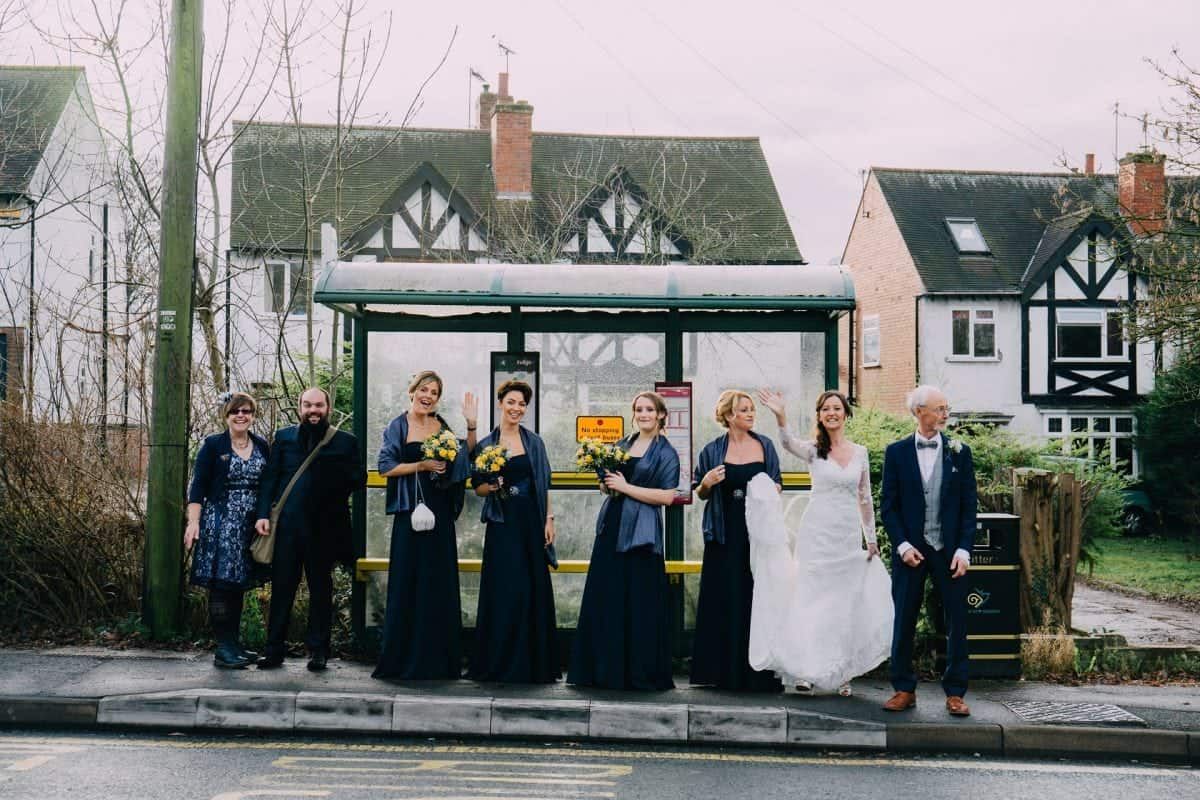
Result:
[{"x": 922, "y": 444}]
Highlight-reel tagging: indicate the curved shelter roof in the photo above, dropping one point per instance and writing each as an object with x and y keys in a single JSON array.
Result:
[{"x": 395, "y": 287}]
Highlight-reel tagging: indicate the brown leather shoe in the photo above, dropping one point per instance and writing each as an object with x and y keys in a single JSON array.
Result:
[
  {"x": 901, "y": 701},
  {"x": 957, "y": 707}
]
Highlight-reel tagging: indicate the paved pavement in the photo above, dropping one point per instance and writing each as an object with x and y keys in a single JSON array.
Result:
[
  {"x": 1141, "y": 620},
  {"x": 84, "y": 688}
]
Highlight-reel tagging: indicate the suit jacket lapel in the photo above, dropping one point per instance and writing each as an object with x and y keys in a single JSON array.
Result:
[
  {"x": 948, "y": 467},
  {"x": 914, "y": 466}
]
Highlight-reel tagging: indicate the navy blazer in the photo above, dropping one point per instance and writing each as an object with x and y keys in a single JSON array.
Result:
[
  {"x": 902, "y": 496},
  {"x": 212, "y": 466}
]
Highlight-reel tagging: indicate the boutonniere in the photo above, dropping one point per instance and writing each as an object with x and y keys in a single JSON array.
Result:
[
  {"x": 224, "y": 456},
  {"x": 956, "y": 446}
]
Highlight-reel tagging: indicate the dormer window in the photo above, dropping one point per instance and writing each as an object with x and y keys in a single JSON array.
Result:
[{"x": 967, "y": 237}]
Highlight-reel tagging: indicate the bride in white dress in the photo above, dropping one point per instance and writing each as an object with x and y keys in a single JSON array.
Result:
[{"x": 822, "y": 609}]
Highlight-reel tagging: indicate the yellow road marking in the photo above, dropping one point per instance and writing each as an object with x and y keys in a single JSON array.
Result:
[
  {"x": 491, "y": 791},
  {"x": 916, "y": 762}
]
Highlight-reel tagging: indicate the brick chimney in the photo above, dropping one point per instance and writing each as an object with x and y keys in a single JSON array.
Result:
[
  {"x": 487, "y": 107},
  {"x": 512, "y": 146},
  {"x": 1142, "y": 192},
  {"x": 1089, "y": 163}
]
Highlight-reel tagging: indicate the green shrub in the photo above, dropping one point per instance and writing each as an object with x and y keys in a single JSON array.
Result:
[{"x": 1168, "y": 439}]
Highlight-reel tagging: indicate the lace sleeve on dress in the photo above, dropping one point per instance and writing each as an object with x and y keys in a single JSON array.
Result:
[
  {"x": 804, "y": 449},
  {"x": 866, "y": 503}
]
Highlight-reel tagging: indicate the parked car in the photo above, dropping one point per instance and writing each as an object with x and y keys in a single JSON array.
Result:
[{"x": 1138, "y": 515}]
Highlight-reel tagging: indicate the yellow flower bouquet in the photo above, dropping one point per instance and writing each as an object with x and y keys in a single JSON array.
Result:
[
  {"x": 442, "y": 446},
  {"x": 596, "y": 455},
  {"x": 491, "y": 460}
]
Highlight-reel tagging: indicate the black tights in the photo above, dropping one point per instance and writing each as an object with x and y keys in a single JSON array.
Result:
[{"x": 225, "y": 614}]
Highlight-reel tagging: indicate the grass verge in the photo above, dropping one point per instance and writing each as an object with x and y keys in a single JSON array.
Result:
[{"x": 1168, "y": 569}]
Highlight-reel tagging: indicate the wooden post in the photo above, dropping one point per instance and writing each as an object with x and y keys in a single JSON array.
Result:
[{"x": 1051, "y": 531}]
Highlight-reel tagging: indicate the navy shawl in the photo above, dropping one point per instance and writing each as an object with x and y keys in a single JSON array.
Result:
[
  {"x": 401, "y": 489},
  {"x": 713, "y": 455},
  {"x": 212, "y": 465},
  {"x": 641, "y": 523},
  {"x": 535, "y": 448}
]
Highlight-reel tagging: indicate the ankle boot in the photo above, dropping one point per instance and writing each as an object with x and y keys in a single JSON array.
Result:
[{"x": 228, "y": 657}]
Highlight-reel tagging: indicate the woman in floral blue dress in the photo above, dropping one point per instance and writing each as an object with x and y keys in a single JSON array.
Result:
[{"x": 221, "y": 511}]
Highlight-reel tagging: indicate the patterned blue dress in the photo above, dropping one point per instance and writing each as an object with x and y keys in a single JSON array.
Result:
[{"x": 221, "y": 558}]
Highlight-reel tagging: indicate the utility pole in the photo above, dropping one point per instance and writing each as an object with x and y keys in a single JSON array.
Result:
[{"x": 173, "y": 330}]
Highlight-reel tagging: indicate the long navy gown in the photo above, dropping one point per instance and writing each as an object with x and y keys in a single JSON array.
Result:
[
  {"x": 422, "y": 626},
  {"x": 721, "y": 653},
  {"x": 515, "y": 627},
  {"x": 623, "y": 640}
]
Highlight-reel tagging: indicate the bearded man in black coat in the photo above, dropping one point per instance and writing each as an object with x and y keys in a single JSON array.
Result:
[{"x": 314, "y": 525}]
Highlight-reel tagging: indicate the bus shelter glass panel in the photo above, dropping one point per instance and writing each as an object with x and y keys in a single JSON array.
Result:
[
  {"x": 586, "y": 374},
  {"x": 788, "y": 362},
  {"x": 463, "y": 361}
]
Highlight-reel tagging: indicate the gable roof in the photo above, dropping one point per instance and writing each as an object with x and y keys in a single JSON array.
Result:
[
  {"x": 1019, "y": 215},
  {"x": 718, "y": 186},
  {"x": 32, "y": 100}
]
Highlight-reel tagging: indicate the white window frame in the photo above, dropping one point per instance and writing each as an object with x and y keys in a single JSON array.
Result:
[
  {"x": 287, "y": 307},
  {"x": 871, "y": 328},
  {"x": 973, "y": 321},
  {"x": 984, "y": 248},
  {"x": 1105, "y": 314},
  {"x": 1091, "y": 436}
]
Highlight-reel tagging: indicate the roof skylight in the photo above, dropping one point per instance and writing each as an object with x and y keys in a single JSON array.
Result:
[{"x": 967, "y": 236}]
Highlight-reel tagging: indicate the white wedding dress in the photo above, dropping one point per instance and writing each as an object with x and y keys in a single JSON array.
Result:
[{"x": 822, "y": 612}]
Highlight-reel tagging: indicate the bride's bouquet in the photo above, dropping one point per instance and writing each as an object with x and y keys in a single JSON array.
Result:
[{"x": 596, "y": 455}]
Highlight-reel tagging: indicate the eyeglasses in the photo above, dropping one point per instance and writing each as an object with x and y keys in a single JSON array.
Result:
[
  {"x": 242, "y": 412},
  {"x": 937, "y": 409}
]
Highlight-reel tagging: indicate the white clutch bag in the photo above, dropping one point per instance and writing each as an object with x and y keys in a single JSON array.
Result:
[{"x": 422, "y": 517}]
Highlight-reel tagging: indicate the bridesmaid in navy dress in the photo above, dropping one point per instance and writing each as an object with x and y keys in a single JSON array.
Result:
[
  {"x": 623, "y": 639},
  {"x": 515, "y": 627},
  {"x": 422, "y": 627},
  {"x": 721, "y": 653}
]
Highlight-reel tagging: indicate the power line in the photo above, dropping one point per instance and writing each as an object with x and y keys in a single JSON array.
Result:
[
  {"x": 940, "y": 95},
  {"x": 1058, "y": 148},
  {"x": 746, "y": 93}
]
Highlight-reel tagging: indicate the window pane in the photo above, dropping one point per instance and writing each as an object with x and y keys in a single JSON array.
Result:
[
  {"x": 870, "y": 348},
  {"x": 967, "y": 236},
  {"x": 961, "y": 330},
  {"x": 1124, "y": 424},
  {"x": 1079, "y": 424},
  {"x": 1054, "y": 424},
  {"x": 1116, "y": 340},
  {"x": 300, "y": 290},
  {"x": 985, "y": 340},
  {"x": 275, "y": 299},
  {"x": 1102, "y": 453},
  {"x": 1101, "y": 424},
  {"x": 1078, "y": 341},
  {"x": 1123, "y": 449},
  {"x": 984, "y": 314}
]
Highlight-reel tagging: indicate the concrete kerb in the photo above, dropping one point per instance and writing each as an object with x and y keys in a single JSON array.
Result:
[{"x": 662, "y": 723}]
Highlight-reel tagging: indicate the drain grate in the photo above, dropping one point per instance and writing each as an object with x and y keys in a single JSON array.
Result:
[{"x": 1077, "y": 713}]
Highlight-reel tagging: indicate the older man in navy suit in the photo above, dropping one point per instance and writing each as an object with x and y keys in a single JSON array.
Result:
[{"x": 928, "y": 504}]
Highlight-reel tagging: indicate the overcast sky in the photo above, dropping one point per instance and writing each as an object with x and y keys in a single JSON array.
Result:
[{"x": 1007, "y": 86}]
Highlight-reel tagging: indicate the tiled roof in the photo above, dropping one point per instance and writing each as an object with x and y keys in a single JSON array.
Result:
[
  {"x": 32, "y": 100},
  {"x": 1012, "y": 211},
  {"x": 722, "y": 187}
]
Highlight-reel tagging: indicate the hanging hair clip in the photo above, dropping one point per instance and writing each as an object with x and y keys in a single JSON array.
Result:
[{"x": 224, "y": 397}]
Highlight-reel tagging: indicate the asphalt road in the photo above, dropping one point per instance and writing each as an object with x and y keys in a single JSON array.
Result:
[{"x": 45, "y": 765}]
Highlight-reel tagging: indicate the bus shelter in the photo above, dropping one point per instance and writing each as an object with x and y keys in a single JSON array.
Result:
[{"x": 593, "y": 335}]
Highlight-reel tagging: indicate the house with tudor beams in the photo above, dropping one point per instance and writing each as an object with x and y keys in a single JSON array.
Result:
[
  {"x": 62, "y": 288},
  {"x": 498, "y": 192},
  {"x": 1010, "y": 291}
]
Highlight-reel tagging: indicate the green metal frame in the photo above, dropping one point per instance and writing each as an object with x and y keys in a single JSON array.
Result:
[{"x": 518, "y": 321}]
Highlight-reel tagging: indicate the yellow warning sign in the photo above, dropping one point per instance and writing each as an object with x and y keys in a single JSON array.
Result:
[{"x": 605, "y": 429}]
